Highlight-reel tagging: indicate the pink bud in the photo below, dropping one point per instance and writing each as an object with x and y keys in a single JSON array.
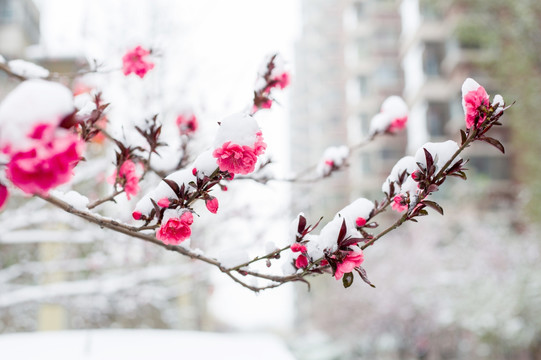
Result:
[
  {"x": 298, "y": 248},
  {"x": 164, "y": 202},
  {"x": 3, "y": 195},
  {"x": 329, "y": 163},
  {"x": 212, "y": 204},
  {"x": 301, "y": 262},
  {"x": 194, "y": 172},
  {"x": 224, "y": 188},
  {"x": 360, "y": 221},
  {"x": 136, "y": 215},
  {"x": 415, "y": 175}
]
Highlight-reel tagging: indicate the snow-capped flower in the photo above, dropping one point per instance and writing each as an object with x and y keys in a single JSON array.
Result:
[
  {"x": 3, "y": 195},
  {"x": 474, "y": 96},
  {"x": 134, "y": 62},
  {"x": 47, "y": 162},
  {"x": 392, "y": 117},
  {"x": 333, "y": 157},
  {"x": 350, "y": 262},
  {"x": 128, "y": 178},
  {"x": 301, "y": 262},
  {"x": 176, "y": 229},
  {"x": 212, "y": 204},
  {"x": 237, "y": 144},
  {"x": 187, "y": 124}
]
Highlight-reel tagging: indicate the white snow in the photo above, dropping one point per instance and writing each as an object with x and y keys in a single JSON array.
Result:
[
  {"x": 72, "y": 197},
  {"x": 407, "y": 163},
  {"x": 380, "y": 122},
  {"x": 50, "y": 102},
  {"x": 441, "y": 152},
  {"x": 409, "y": 186},
  {"x": 233, "y": 257},
  {"x": 395, "y": 107},
  {"x": 293, "y": 229},
  {"x": 240, "y": 129},
  {"x": 205, "y": 164},
  {"x": 498, "y": 100},
  {"x": 27, "y": 69},
  {"x": 335, "y": 154},
  {"x": 359, "y": 208},
  {"x": 142, "y": 345},
  {"x": 2, "y": 60}
]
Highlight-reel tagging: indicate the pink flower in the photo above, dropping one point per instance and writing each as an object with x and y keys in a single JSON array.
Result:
[
  {"x": 134, "y": 62},
  {"x": 3, "y": 195},
  {"x": 297, "y": 247},
  {"x": 283, "y": 80},
  {"x": 187, "y": 124},
  {"x": 398, "y": 204},
  {"x": 235, "y": 158},
  {"x": 259, "y": 146},
  {"x": 129, "y": 178},
  {"x": 212, "y": 204},
  {"x": 473, "y": 97},
  {"x": 267, "y": 104},
  {"x": 176, "y": 230},
  {"x": 360, "y": 221},
  {"x": 301, "y": 262},
  {"x": 398, "y": 124},
  {"x": 350, "y": 262},
  {"x": 164, "y": 202},
  {"x": 47, "y": 163}
]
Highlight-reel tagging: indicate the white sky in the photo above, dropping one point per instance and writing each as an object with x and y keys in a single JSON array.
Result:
[{"x": 210, "y": 51}]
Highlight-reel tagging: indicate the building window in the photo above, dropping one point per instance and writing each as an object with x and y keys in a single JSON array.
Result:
[
  {"x": 6, "y": 10},
  {"x": 359, "y": 8},
  {"x": 386, "y": 74},
  {"x": 494, "y": 167},
  {"x": 437, "y": 116},
  {"x": 432, "y": 58},
  {"x": 364, "y": 90}
]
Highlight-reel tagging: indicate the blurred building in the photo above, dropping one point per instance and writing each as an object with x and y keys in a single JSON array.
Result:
[
  {"x": 347, "y": 63},
  {"x": 351, "y": 56},
  {"x": 438, "y": 51}
]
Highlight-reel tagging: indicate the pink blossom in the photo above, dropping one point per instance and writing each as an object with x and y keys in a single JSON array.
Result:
[
  {"x": 47, "y": 163},
  {"x": 187, "y": 124},
  {"x": 164, "y": 202},
  {"x": 398, "y": 204},
  {"x": 134, "y": 62},
  {"x": 350, "y": 262},
  {"x": 360, "y": 221},
  {"x": 212, "y": 204},
  {"x": 129, "y": 178},
  {"x": 297, "y": 247},
  {"x": 301, "y": 262},
  {"x": 398, "y": 124},
  {"x": 235, "y": 158},
  {"x": 3, "y": 195},
  {"x": 259, "y": 146},
  {"x": 267, "y": 104},
  {"x": 176, "y": 230},
  {"x": 473, "y": 97},
  {"x": 283, "y": 80}
]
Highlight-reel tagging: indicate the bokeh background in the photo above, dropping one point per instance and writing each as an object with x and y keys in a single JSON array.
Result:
[{"x": 463, "y": 286}]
